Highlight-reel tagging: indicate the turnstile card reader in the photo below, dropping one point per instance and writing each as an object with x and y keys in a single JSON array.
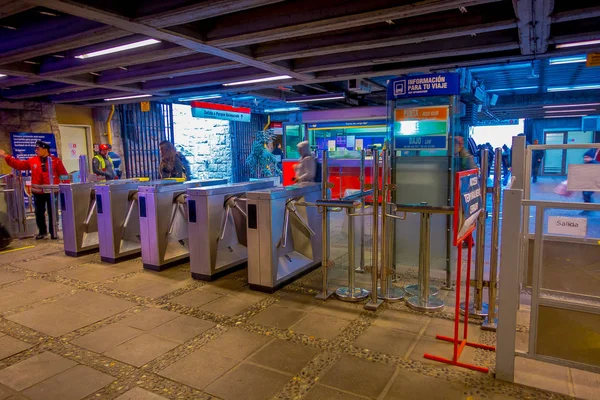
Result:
[
  {"x": 217, "y": 228},
  {"x": 79, "y": 216},
  {"x": 163, "y": 222},
  {"x": 118, "y": 219},
  {"x": 284, "y": 237}
]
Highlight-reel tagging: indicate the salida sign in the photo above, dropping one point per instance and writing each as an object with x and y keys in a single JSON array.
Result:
[
  {"x": 446, "y": 84},
  {"x": 201, "y": 109},
  {"x": 467, "y": 203}
]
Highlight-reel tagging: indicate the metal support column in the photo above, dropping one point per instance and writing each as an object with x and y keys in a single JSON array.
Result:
[
  {"x": 83, "y": 168},
  {"x": 361, "y": 266},
  {"x": 325, "y": 292},
  {"x": 478, "y": 308},
  {"x": 491, "y": 322},
  {"x": 374, "y": 302},
  {"x": 386, "y": 291},
  {"x": 53, "y": 209}
]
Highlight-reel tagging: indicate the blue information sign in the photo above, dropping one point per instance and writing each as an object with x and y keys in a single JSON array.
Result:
[
  {"x": 414, "y": 142},
  {"x": 347, "y": 124},
  {"x": 469, "y": 192},
  {"x": 443, "y": 84},
  {"x": 23, "y": 144}
]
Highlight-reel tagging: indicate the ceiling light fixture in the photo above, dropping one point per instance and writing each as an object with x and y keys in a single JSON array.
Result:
[
  {"x": 574, "y": 105},
  {"x": 577, "y": 44},
  {"x": 567, "y": 60},
  {"x": 277, "y": 110},
  {"x": 570, "y": 111},
  {"x": 501, "y": 67},
  {"x": 12, "y": 28},
  {"x": 139, "y": 96},
  {"x": 271, "y": 78},
  {"x": 2, "y": 76},
  {"x": 117, "y": 49},
  {"x": 512, "y": 89},
  {"x": 571, "y": 88},
  {"x": 319, "y": 97},
  {"x": 205, "y": 97}
]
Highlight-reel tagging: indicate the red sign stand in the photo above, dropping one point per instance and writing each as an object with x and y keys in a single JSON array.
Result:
[{"x": 460, "y": 343}]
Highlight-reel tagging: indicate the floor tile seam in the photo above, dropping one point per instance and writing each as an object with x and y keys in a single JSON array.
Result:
[
  {"x": 198, "y": 313},
  {"x": 13, "y": 329},
  {"x": 12, "y": 263},
  {"x": 570, "y": 382},
  {"x": 43, "y": 302},
  {"x": 309, "y": 376},
  {"x": 285, "y": 334},
  {"x": 21, "y": 356},
  {"x": 389, "y": 384},
  {"x": 418, "y": 337},
  {"x": 255, "y": 364},
  {"x": 178, "y": 292},
  {"x": 344, "y": 391},
  {"x": 184, "y": 349},
  {"x": 120, "y": 277}
]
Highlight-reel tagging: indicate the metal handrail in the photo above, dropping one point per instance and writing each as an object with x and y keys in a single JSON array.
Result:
[
  {"x": 358, "y": 195},
  {"x": 560, "y": 205},
  {"x": 563, "y": 146},
  {"x": 424, "y": 209}
]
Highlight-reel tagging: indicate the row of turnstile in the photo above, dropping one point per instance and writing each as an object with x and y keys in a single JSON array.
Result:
[{"x": 211, "y": 223}]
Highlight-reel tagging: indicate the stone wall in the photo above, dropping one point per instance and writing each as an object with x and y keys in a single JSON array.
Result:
[
  {"x": 26, "y": 117},
  {"x": 206, "y": 143}
]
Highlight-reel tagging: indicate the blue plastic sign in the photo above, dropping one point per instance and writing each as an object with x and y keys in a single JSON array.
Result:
[
  {"x": 428, "y": 142},
  {"x": 491, "y": 122},
  {"x": 445, "y": 84},
  {"x": 348, "y": 124},
  {"x": 469, "y": 192},
  {"x": 220, "y": 114},
  {"x": 23, "y": 144}
]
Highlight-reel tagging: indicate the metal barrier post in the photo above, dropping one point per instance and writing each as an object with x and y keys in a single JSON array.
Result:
[
  {"x": 83, "y": 168},
  {"x": 374, "y": 302},
  {"x": 53, "y": 209},
  {"x": 361, "y": 267},
  {"x": 477, "y": 307},
  {"x": 491, "y": 322},
  {"x": 325, "y": 292},
  {"x": 386, "y": 291}
]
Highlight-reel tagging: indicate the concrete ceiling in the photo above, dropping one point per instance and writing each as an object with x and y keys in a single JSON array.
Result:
[{"x": 320, "y": 44}]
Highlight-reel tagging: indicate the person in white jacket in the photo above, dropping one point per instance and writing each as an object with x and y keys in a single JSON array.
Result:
[{"x": 306, "y": 169}]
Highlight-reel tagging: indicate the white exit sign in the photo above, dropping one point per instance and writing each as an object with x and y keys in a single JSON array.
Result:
[{"x": 568, "y": 226}]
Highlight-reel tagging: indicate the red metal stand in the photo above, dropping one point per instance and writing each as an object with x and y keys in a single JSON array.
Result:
[{"x": 459, "y": 344}]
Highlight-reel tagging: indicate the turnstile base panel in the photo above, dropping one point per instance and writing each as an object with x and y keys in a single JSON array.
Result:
[
  {"x": 220, "y": 273},
  {"x": 119, "y": 259},
  {"x": 168, "y": 265},
  {"x": 285, "y": 281},
  {"x": 81, "y": 253}
]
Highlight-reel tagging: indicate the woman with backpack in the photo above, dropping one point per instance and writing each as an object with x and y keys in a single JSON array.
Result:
[{"x": 172, "y": 163}]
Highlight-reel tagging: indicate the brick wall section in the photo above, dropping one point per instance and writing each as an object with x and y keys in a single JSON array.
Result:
[
  {"x": 26, "y": 117},
  {"x": 206, "y": 143}
]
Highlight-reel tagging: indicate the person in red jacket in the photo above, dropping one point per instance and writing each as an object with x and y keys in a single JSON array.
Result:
[{"x": 38, "y": 166}]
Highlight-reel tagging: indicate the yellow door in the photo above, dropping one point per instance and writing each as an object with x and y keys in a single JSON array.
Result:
[{"x": 73, "y": 143}]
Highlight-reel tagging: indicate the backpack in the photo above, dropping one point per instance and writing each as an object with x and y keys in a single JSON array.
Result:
[{"x": 187, "y": 171}]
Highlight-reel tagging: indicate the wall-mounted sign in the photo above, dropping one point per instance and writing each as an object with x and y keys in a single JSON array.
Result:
[
  {"x": 467, "y": 203},
  {"x": 145, "y": 106},
  {"x": 593, "y": 60},
  {"x": 446, "y": 84},
  {"x": 23, "y": 144},
  {"x": 347, "y": 124},
  {"x": 490, "y": 122},
  {"x": 421, "y": 128},
  {"x": 568, "y": 226},
  {"x": 202, "y": 109}
]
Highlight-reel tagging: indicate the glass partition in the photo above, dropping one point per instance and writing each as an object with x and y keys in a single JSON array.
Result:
[{"x": 292, "y": 135}]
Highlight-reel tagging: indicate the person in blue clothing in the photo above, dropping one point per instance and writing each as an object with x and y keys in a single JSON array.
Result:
[{"x": 116, "y": 159}]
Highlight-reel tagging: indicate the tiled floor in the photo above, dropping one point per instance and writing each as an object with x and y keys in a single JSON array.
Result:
[{"x": 81, "y": 329}]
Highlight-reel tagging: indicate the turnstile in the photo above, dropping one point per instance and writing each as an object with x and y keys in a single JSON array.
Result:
[
  {"x": 284, "y": 237},
  {"x": 217, "y": 228},
  {"x": 79, "y": 216},
  {"x": 163, "y": 222},
  {"x": 118, "y": 219}
]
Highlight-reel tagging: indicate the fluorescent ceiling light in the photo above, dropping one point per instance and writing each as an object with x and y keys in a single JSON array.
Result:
[
  {"x": 139, "y": 96},
  {"x": 565, "y": 116},
  {"x": 2, "y": 76},
  {"x": 511, "y": 89},
  {"x": 205, "y": 97},
  {"x": 577, "y": 44},
  {"x": 568, "y": 60},
  {"x": 570, "y": 88},
  {"x": 276, "y": 110},
  {"x": 271, "y": 78},
  {"x": 309, "y": 99},
  {"x": 501, "y": 67},
  {"x": 574, "y": 105},
  {"x": 570, "y": 111},
  {"x": 117, "y": 49}
]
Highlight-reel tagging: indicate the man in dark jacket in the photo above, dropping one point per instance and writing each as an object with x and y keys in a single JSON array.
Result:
[
  {"x": 38, "y": 166},
  {"x": 592, "y": 156},
  {"x": 536, "y": 161}
]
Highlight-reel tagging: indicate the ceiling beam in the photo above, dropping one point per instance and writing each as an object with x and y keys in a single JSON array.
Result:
[
  {"x": 212, "y": 79},
  {"x": 533, "y": 19},
  {"x": 344, "y": 22},
  {"x": 46, "y": 89},
  {"x": 63, "y": 43},
  {"x": 11, "y": 7},
  {"x": 189, "y": 42},
  {"x": 200, "y": 11},
  {"x": 522, "y": 101},
  {"x": 354, "y": 45},
  {"x": 576, "y": 15}
]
